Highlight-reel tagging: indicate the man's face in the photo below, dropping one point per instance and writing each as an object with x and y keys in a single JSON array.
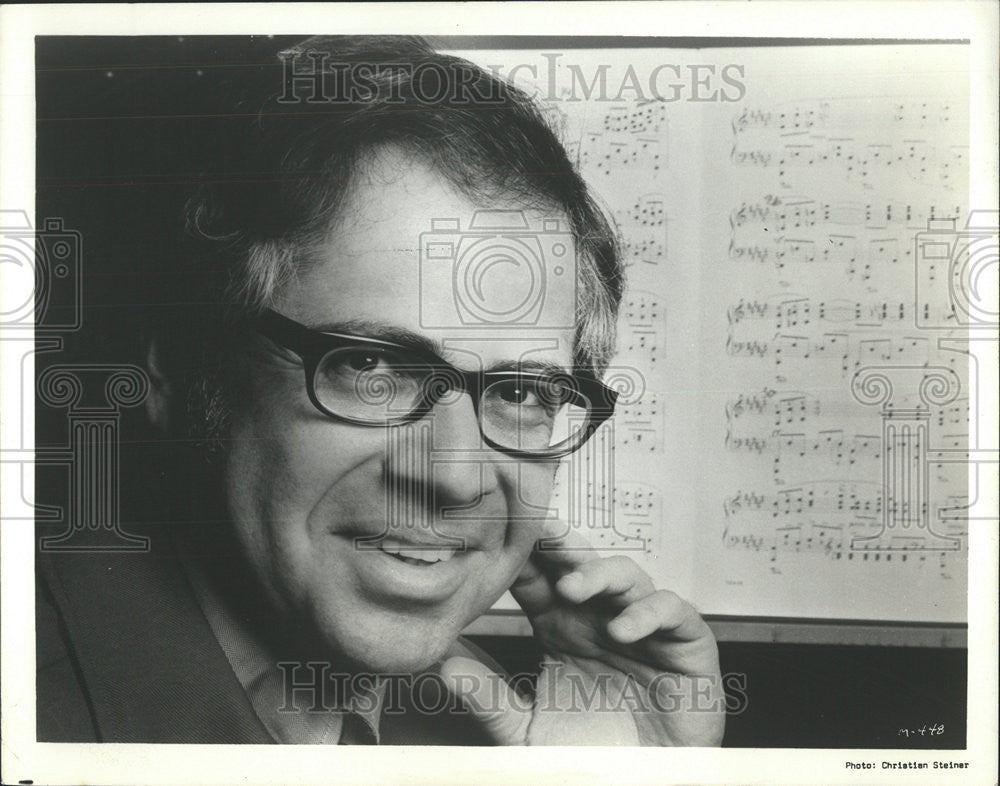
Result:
[{"x": 303, "y": 488}]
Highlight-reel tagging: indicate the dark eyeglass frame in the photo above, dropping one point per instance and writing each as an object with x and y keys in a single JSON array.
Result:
[{"x": 313, "y": 345}]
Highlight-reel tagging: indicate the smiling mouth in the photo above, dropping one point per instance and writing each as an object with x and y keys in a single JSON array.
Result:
[{"x": 421, "y": 556}]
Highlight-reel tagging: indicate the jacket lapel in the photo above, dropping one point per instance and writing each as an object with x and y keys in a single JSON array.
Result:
[{"x": 151, "y": 666}]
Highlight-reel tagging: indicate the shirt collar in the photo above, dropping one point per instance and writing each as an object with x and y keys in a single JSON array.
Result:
[{"x": 296, "y": 702}]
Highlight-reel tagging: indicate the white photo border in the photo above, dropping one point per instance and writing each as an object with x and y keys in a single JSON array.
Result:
[{"x": 27, "y": 761}]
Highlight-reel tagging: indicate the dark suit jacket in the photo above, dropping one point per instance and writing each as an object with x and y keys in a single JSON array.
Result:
[{"x": 125, "y": 654}]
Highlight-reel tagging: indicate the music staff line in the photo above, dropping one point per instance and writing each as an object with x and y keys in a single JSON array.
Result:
[
  {"x": 832, "y": 347},
  {"x": 794, "y": 407},
  {"x": 921, "y": 161},
  {"x": 780, "y": 214},
  {"x": 840, "y": 543},
  {"x": 790, "y": 311},
  {"x": 847, "y": 112},
  {"x": 860, "y": 259},
  {"x": 828, "y": 444}
]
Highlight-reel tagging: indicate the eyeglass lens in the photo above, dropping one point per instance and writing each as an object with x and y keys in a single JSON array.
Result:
[{"x": 380, "y": 385}]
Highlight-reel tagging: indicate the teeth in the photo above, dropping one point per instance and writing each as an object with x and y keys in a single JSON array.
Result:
[
  {"x": 429, "y": 556},
  {"x": 424, "y": 555},
  {"x": 391, "y": 546}
]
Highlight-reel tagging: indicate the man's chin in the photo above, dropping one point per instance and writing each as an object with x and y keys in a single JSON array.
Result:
[
  {"x": 395, "y": 661},
  {"x": 403, "y": 648}
]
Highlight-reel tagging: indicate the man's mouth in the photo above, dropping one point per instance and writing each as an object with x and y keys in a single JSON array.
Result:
[
  {"x": 416, "y": 555},
  {"x": 421, "y": 568}
]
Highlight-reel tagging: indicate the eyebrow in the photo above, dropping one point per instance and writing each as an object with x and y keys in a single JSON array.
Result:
[
  {"x": 383, "y": 331},
  {"x": 537, "y": 366}
]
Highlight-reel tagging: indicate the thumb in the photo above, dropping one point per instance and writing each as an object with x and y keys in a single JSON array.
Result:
[{"x": 503, "y": 713}]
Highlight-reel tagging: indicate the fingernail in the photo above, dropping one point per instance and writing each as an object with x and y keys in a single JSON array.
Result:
[{"x": 625, "y": 627}]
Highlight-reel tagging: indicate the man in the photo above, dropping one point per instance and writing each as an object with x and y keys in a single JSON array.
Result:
[{"x": 378, "y": 424}]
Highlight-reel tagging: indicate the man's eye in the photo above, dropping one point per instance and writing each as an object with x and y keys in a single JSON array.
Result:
[
  {"x": 362, "y": 360},
  {"x": 529, "y": 394},
  {"x": 516, "y": 393},
  {"x": 367, "y": 383},
  {"x": 349, "y": 366}
]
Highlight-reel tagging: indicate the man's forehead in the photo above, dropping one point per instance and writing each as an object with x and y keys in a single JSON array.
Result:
[{"x": 415, "y": 261}]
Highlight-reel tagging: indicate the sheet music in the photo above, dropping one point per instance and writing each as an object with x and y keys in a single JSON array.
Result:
[
  {"x": 818, "y": 190},
  {"x": 773, "y": 287}
]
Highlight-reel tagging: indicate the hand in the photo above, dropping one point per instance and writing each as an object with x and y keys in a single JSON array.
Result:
[{"x": 626, "y": 664}]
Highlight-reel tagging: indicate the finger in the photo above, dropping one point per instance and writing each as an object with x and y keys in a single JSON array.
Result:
[
  {"x": 617, "y": 576},
  {"x": 504, "y": 715},
  {"x": 532, "y": 589},
  {"x": 562, "y": 545},
  {"x": 662, "y": 611},
  {"x": 566, "y": 712},
  {"x": 554, "y": 528}
]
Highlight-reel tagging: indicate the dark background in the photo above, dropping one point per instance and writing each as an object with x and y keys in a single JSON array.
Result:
[
  {"x": 820, "y": 696},
  {"x": 125, "y": 128}
]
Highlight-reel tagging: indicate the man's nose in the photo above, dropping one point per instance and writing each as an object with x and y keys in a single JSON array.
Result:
[{"x": 444, "y": 453}]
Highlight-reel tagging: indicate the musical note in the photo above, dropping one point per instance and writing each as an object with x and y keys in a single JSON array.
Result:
[
  {"x": 791, "y": 266},
  {"x": 645, "y": 118},
  {"x": 620, "y": 154}
]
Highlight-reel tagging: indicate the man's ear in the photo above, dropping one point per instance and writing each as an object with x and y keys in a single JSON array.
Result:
[{"x": 159, "y": 400}]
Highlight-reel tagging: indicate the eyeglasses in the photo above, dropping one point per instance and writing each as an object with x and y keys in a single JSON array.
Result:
[{"x": 371, "y": 382}]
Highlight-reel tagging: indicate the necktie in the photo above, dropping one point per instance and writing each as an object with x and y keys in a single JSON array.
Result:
[{"x": 356, "y": 731}]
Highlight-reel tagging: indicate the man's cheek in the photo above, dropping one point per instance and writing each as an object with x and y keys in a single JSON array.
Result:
[
  {"x": 306, "y": 462},
  {"x": 530, "y": 507}
]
